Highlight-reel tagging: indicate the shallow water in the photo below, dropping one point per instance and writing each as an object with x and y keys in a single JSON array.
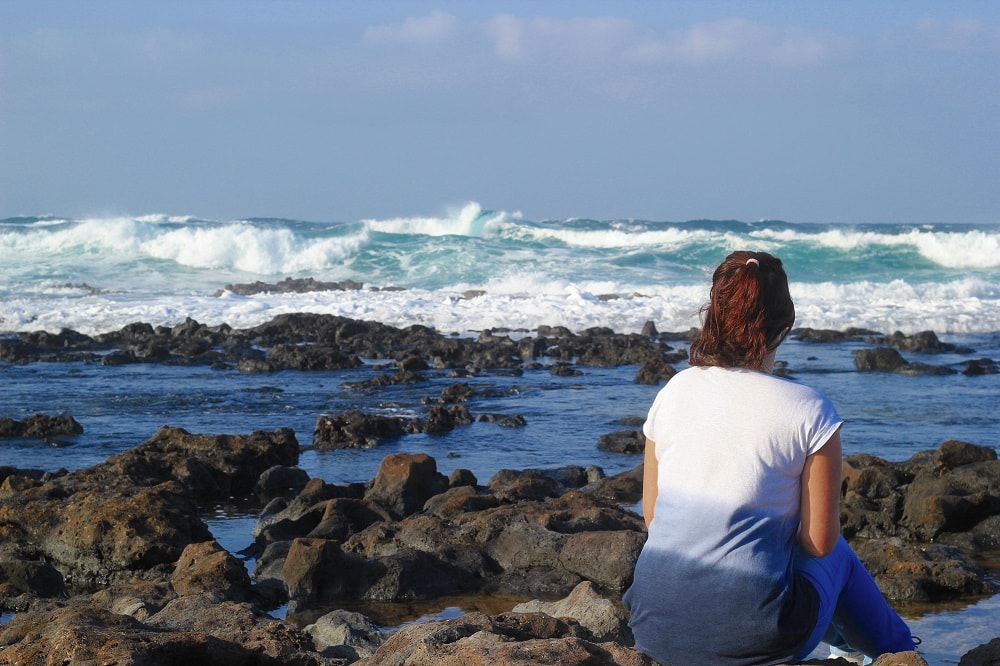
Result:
[{"x": 888, "y": 415}]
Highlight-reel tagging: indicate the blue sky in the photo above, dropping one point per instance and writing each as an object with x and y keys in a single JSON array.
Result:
[{"x": 852, "y": 112}]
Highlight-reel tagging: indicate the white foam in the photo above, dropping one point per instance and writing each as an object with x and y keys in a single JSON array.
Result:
[
  {"x": 468, "y": 221},
  {"x": 965, "y": 306}
]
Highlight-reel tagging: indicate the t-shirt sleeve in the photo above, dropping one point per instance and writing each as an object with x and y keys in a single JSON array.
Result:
[{"x": 826, "y": 421}]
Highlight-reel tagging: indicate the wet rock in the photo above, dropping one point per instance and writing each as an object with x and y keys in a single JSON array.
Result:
[
  {"x": 503, "y": 420},
  {"x": 624, "y": 488},
  {"x": 310, "y": 357},
  {"x": 654, "y": 372},
  {"x": 924, "y": 342},
  {"x": 19, "y": 578},
  {"x": 622, "y": 441},
  {"x": 987, "y": 654},
  {"x": 355, "y": 430},
  {"x": 135, "y": 513},
  {"x": 89, "y": 635},
  {"x": 344, "y": 634},
  {"x": 207, "y": 568},
  {"x": 513, "y": 639},
  {"x": 270, "y": 641},
  {"x": 290, "y": 286},
  {"x": 280, "y": 480},
  {"x": 40, "y": 425},
  {"x": 459, "y": 392},
  {"x": 405, "y": 481},
  {"x": 982, "y": 366},
  {"x": 604, "y": 620},
  {"x": 951, "y": 496},
  {"x": 880, "y": 359},
  {"x": 932, "y": 572}
]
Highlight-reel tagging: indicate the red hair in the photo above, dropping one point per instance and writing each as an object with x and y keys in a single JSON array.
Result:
[{"x": 748, "y": 314}]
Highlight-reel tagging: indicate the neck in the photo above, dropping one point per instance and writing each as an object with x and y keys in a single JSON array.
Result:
[{"x": 767, "y": 365}]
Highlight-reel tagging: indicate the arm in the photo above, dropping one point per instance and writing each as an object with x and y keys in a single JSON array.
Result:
[
  {"x": 820, "y": 503},
  {"x": 649, "y": 477}
]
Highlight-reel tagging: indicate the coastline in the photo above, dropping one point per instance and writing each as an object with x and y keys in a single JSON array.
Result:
[{"x": 484, "y": 362}]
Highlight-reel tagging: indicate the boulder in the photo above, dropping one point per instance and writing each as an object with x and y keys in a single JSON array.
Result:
[
  {"x": 355, "y": 430},
  {"x": 934, "y": 572},
  {"x": 90, "y": 635},
  {"x": 880, "y": 359},
  {"x": 987, "y": 654},
  {"x": 514, "y": 639},
  {"x": 40, "y": 425},
  {"x": 207, "y": 568},
  {"x": 345, "y": 634},
  {"x": 602, "y": 617},
  {"x": 623, "y": 441},
  {"x": 405, "y": 481}
]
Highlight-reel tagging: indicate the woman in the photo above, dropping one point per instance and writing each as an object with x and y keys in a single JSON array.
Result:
[{"x": 744, "y": 563}]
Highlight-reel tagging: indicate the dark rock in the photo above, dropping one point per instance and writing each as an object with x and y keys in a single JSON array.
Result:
[
  {"x": 89, "y": 635},
  {"x": 880, "y": 359},
  {"x": 456, "y": 393},
  {"x": 355, "y": 430},
  {"x": 925, "y": 342},
  {"x": 271, "y": 641},
  {"x": 907, "y": 572},
  {"x": 503, "y": 420},
  {"x": 34, "y": 579},
  {"x": 987, "y": 654},
  {"x": 513, "y": 639},
  {"x": 654, "y": 372},
  {"x": 310, "y": 357},
  {"x": 603, "y": 618},
  {"x": 290, "y": 285},
  {"x": 623, "y": 441},
  {"x": 206, "y": 568},
  {"x": 280, "y": 480},
  {"x": 405, "y": 481},
  {"x": 624, "y": 488},
  {"x": 955, "y": 453},
  {"x": 345, "y": 634},
  {"x": 982, "y": 366},
  {"x": 135, "y": 513},
  {"x": 40, "y": 425}
]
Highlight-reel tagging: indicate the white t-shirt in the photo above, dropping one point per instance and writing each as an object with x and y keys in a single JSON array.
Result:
[{"x": 714, "y": 582}]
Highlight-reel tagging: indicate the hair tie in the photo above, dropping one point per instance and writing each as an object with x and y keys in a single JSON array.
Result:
[{"x": 752, "y": 260}]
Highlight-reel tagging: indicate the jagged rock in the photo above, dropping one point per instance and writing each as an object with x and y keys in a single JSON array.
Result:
[
  {"x": 987, "y": 654},
  {"x": 355, "y": 430},
  {"x": 623, "y": 441},
  {"x": 40, "y": 425},
  {"x": 605, "y": 620},
  {"x": 207, "y": 568},
  {"x": 280, "y": 480},
  {"x": 405, "y": 481},
  {"x": 344, "y": 634},
  {"x": 654, "y": 372},
  {"x": 881, "y": 359},
  {"x": 514, "y": 639},
  {"x": 922, "y": 573}
]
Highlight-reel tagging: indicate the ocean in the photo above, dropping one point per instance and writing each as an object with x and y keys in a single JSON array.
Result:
[{"x": 474, "y": 269}]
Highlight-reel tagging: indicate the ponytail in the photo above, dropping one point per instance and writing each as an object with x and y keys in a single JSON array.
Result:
[{"x": 748, "y": 314}]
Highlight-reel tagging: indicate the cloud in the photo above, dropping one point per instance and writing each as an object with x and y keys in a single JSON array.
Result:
[
  {"x": 958, "y": 34},
  {"x": 519, "y": 38},
  {"x": 739, "y": 40},
  {"x": 720, "y": 42},
  {"x": 435, "y": 28}
]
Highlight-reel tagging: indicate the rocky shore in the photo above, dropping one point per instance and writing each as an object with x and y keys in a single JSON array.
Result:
[{"x": 114, "y": 563}]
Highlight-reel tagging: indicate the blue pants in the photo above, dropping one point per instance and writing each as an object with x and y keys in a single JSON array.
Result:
[{"x": 851, "y": 607}]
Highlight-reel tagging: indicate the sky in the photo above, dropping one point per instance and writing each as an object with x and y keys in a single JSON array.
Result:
[{"x": 804, "y": 111}]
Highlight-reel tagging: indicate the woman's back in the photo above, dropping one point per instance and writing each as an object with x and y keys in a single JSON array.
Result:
[{"x": 731, "y": 444}]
